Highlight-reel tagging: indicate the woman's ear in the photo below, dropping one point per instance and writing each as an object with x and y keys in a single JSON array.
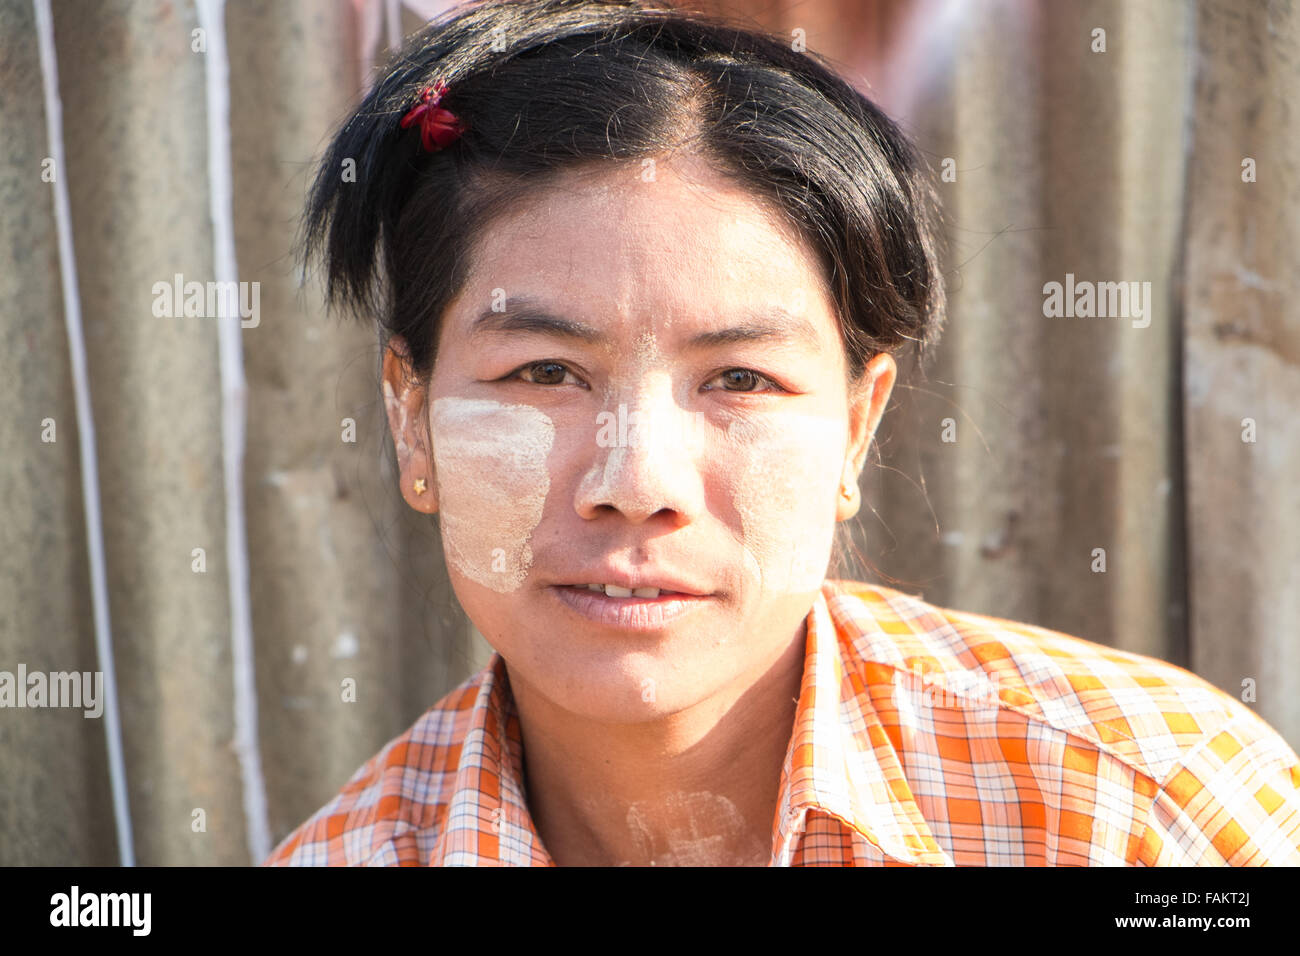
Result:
[
  {"x": 866, "y": 407},
  {"x": 407, "y": 404}
]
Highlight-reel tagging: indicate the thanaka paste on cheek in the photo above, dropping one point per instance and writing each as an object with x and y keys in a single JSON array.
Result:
[
  {"x": 783, "y": 489},
  {"x": 490, "y": 465}
]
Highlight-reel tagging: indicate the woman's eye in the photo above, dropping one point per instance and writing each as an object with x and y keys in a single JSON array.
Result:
[
  {"x": 746, "y": 380},
  {"x": 557, "y": 373},
  {"x": 544, "y": 373}
]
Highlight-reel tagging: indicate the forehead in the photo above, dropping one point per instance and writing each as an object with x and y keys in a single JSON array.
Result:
[{"x": 678, "y": 244}]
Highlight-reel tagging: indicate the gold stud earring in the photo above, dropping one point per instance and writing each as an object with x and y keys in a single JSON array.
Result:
[
  {"x": 420, "y": 486},
  {"x": 846, "y": 491}
]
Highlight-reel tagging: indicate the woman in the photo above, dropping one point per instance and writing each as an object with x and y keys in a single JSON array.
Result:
[{"x": 642, "y": 277}]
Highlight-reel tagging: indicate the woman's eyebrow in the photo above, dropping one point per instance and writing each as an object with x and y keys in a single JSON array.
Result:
[{"x": 772, "y": 324}]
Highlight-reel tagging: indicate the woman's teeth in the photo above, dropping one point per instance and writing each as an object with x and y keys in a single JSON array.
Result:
[{"x": 613, "y": 590}]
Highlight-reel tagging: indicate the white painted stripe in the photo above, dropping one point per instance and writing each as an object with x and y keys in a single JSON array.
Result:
[
  {"x": 393, "y": 20},
  {"x": 85, "y": 432},
  {"x": 234, "y": 397}
]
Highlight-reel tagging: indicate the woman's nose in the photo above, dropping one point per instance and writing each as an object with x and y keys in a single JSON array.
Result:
[{"x": 645, "y": 460}]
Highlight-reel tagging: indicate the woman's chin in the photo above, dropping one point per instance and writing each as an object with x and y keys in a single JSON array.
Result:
[{"x": 600, "y": 681}]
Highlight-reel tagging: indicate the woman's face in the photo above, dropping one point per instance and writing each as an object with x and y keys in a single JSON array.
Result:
[{"x": 641, "y": 384}]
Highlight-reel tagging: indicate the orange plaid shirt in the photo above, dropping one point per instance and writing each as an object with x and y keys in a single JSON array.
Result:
[{"x": 922, "y": 736}]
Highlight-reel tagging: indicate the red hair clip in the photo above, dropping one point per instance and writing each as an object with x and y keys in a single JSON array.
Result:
[{"x": 438, "y": 127}]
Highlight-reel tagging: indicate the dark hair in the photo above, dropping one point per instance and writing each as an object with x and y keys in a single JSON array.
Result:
[{"x": 548, "y": 86}]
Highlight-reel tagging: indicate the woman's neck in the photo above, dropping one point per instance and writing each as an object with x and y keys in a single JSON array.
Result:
[{"x": 696, "y": 788}]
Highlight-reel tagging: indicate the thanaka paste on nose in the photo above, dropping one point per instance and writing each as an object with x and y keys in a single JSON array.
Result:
[{"x": 634, "y": 426}]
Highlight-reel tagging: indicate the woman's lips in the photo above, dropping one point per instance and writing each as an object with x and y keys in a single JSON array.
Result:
[{"x": 628, "y": 613}]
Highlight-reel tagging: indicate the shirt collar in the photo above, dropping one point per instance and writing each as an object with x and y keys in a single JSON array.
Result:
[
  {"x": 487, "y": 821},
  {"x": 840, "y": 762}
]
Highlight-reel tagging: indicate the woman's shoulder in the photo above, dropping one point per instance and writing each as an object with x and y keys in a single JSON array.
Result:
[
  {"x": 1148, "y": 713},
  {"x": 391, "y": 810}
]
